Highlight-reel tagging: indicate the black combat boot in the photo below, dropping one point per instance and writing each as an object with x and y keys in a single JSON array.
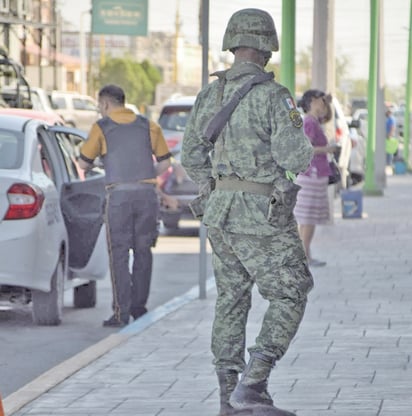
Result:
[
  {"x": 251, "y": 391},
  {"x": 227, "y": 382}
]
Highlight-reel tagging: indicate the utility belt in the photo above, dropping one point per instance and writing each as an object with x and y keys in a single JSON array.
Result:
[
  {"x": 233, "y": 183},
  {"x": 282, "y": 196},
  {"x": 129, "y": 186}
]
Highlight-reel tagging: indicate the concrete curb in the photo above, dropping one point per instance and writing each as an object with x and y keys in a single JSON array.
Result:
[
  {"x": 64, "y": 370},
  {"x": 169, "y": 307}
]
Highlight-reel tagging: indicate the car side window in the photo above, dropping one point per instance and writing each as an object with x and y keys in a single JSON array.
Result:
[
  {"x": 59, "y": 102},
  {"x": 68, "y": 156},
  {"x": 46, "y": 163},
  {"x": 174, "y": 117},
  {"x": 83, "y": 104},
  {"x": 11, "y": 149},
  {"x": 78, "y": 104},
  {"x": 89, "y": 105}
]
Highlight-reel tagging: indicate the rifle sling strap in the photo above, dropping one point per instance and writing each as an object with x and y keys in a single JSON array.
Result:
[{"x": 219, "y": 120}]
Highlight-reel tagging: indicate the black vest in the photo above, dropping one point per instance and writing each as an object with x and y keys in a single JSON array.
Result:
[{"x": 129, "y": 156}]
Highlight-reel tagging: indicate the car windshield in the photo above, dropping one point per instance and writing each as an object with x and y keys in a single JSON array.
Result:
[
  {"x": 174, "y": 117},
  {"x": 11, "y": 149}
]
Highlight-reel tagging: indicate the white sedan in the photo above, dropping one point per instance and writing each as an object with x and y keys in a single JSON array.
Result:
[{"x": 52, "y": 235}]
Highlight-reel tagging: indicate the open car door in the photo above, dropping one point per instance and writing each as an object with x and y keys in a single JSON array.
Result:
[
  {"x": 82, "y": 208},
  {"x": 82, "y": 201}
]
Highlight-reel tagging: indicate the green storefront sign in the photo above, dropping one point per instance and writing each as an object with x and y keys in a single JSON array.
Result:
[{"x": 120, "y": 17}]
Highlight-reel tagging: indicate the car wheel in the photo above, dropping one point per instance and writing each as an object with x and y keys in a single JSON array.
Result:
[
  {"x": 47, "y": 307},
  {"x": 171, "y": 221},
  {"x": 84, "y": 296}
]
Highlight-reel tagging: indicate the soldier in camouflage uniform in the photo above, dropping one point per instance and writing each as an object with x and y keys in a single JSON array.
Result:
[{"x": 259, "y": 146}]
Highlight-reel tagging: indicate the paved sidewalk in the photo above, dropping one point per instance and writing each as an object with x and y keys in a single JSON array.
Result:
[{"x": 351, "y": 356}]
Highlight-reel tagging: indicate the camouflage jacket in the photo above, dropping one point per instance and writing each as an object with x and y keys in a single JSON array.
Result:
[{"x": 262, "y": 139}]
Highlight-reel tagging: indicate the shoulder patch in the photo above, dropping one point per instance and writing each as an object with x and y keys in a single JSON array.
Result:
[
  {"x": 289, "y": 103},
  {"x": 296, "y": 118}
]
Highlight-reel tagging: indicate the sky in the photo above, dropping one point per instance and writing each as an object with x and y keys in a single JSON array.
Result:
[{"x": 351, "y": 27}]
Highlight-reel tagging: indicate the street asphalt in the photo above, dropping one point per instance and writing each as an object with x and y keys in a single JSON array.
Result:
[{"x": 351, "y": 355}]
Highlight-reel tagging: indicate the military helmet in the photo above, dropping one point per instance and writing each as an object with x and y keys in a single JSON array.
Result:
[{"x": 251, "y": 28}]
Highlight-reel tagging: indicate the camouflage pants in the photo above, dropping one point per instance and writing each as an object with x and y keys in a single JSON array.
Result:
[{"x": 278, "y": 266}]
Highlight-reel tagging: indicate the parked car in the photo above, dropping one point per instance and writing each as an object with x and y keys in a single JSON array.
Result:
[
  {"x": 399, "y": 115},
  {"x": 343, "y": 139},
  {"x": 177, "y": 191},
  {"x": 14, "y": 88},
  {"x": 361, "y": 116},
  {"x": 176, "y": 187},
  {"x": 173, "y": 118},
  {"x": 52, "y": 236},
  {"x": 358, "y": 103},
  {"x": 35, "y": 98},
  {"x": 49, "y": 118},
  {"x": 357, "y": 161},
  {"x": 77, "y": 110},
  {"x": 41, "y": 100},
  {"x": 359, "y": 131}
]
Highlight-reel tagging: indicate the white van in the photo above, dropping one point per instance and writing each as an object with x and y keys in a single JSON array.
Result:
[{"x": 77, "y": 110}]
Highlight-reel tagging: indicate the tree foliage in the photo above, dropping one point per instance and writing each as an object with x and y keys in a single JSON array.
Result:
[
  {"x": 304, "y": 67},
  {"x": 138, "y": 80},
  {"x": 359, "y": 88},
  {"x": 275, "y": 68}
]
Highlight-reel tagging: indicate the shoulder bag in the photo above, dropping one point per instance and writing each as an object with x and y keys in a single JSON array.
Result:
[{"x": 335, "y": 176}]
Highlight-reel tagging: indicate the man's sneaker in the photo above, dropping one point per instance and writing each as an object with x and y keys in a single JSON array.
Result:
[
  {"x": 114, "y": 322},
  {"x": 138, "y": 312}
]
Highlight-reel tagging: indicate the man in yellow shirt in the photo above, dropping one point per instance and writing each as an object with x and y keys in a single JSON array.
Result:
[{"x": 133, "y": 151}]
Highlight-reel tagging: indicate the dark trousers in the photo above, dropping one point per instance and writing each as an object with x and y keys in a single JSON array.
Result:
[{"x": 131, "y": 217}]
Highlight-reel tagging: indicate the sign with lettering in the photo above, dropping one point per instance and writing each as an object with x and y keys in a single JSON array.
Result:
[{"x": 120, "y": 17}]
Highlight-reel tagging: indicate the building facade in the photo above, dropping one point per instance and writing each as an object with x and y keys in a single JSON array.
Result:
[{"x": 52, "y": 57}]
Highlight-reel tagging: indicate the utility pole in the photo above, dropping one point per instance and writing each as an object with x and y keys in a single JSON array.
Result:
[
  {"x": 54, "y": 38},
  {"x": 102, "y": 44},
  {"x": 82, "y": 44},
  {"x": 408, "y": 94},
  {"x": 370, "y": 187},
  {"x": 323, "y": 67},
  {"x": 176, "y": 46},
  {"x": 205, "y": 79},
  {"x": 89, "y": 63},
  {"x": 323, "y": 64},
  {"x": 323, "y": 57},
  {"x": 380, "y": 151},
  {"x": 287, "y": 50}
]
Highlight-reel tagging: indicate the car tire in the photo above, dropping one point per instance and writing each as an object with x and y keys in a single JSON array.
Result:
[
  {"x": 85, "y": 296},
  {"x": 47, "y": 307}
]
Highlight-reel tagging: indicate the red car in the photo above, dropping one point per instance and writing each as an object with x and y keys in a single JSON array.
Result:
[{"x": 178, "y": 190}]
